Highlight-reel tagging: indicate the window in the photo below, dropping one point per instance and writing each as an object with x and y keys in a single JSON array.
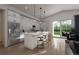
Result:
[{"x": 61, "y": 26}]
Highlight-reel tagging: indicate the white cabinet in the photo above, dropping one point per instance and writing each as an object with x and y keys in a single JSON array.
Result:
[
  {"x": 11, "y": 19},
  {"x": 30, "y": 40},
  {"x": 17, "y": 20},
  {"x": 27, "y": 23},
  {"x": 17, "y": 15},
  {"x": 10, "y": 13},
  {"x": 13, "y": 16}
]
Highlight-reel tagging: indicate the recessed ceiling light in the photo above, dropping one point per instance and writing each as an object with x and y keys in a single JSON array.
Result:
[{"x": 26, "y": 7}]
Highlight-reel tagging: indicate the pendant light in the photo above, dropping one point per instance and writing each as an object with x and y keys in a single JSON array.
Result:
[
  {"x": 34, "y": 9},
  {"x": 44, "y": 13},
  {"x": 40, "y": 13},
  {"x": 40, "y": 18}
]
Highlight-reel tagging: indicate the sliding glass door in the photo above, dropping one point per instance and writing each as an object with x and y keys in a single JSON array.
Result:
[
  {"x": 66, "y": 26},
  {"x": 61, "y": 26},
  {"x": 56, "y": 28}
]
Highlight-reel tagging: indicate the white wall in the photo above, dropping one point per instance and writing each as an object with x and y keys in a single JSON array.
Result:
[
  {"x": 26, "y": 24},
  {"x": 64, "y": 15}
]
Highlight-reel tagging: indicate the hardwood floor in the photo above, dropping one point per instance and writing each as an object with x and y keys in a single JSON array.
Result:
[{"x": 56, "y": 47}]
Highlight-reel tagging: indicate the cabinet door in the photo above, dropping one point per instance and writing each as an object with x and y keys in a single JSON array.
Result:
[
  {"x": 16, "y": 15},
  {"x": 10, "y": 18},
  {"x": 17, "y": 20},
  {"x": 11, "y": 13}
]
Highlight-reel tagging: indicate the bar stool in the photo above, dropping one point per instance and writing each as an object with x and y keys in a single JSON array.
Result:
[{"x": 40, "y": 42}]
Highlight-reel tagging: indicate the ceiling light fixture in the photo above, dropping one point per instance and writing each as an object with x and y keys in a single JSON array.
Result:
[
  {"x": 44, "y": 13},
  {"x": 41, "y": 19},
  {"x": 40, "y": 12}
]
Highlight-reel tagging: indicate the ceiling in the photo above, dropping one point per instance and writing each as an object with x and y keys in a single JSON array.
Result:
[{"x": 49, "y": 9}]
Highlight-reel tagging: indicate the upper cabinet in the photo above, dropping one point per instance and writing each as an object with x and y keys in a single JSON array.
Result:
[
  {"x": 13, "y": 16},
  {"x": 25, "y": 22},
  {"x": 12, "y": 13}
]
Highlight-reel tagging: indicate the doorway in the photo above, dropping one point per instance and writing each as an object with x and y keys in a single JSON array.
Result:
[
  {"x": 61, "y": 26},
  {"x": 2, "y": 28}
]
